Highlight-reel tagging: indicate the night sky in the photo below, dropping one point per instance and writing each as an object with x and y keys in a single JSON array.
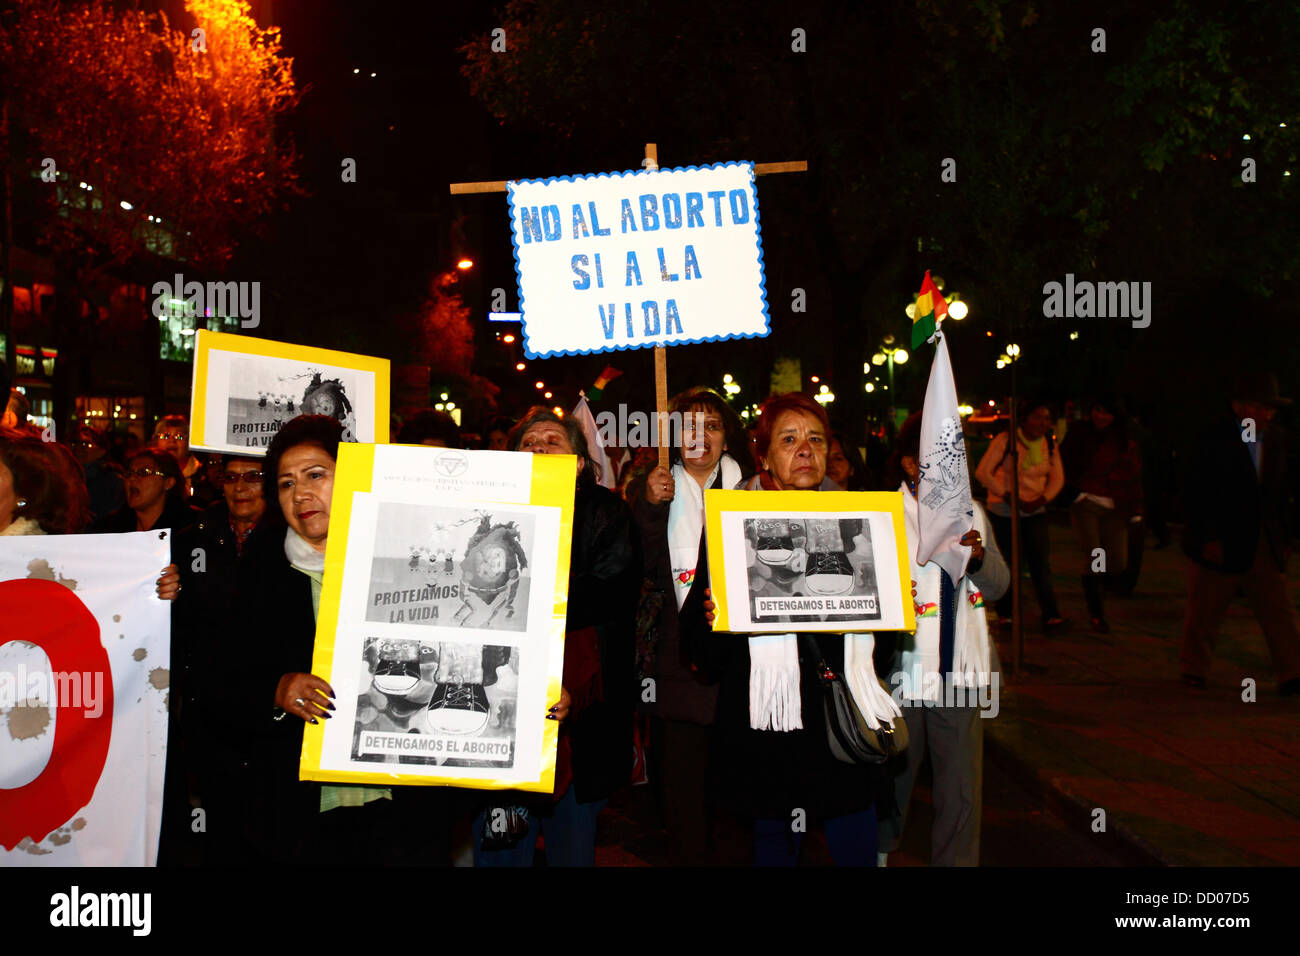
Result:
[{"x": 347, "y": 258}]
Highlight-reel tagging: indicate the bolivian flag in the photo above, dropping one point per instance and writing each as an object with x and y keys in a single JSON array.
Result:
[{"x": 931, "y": 309}]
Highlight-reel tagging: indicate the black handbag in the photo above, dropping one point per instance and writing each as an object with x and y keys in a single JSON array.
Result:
[{"x": 850, "y": 738}]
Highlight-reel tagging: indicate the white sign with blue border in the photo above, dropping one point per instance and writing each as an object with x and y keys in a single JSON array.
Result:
[{"x": 638, "y": 259}]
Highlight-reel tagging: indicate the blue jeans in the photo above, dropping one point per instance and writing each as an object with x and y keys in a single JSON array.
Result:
[
  {"x": 851, "y": 838},
  {"x": 570, "y": 830}
]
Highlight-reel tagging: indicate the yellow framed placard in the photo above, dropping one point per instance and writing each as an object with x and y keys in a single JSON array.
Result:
[
  {"x": 441, "y": 622},
  {"x": 783, "y": 561},
  {"x": 245, "y": 389}
]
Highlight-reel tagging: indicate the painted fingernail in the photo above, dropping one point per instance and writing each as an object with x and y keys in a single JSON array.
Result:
[
  {"x": 327, "y": 716},
  {"x": 330, "y": 706},
  {"x": 315, "y": 721},
  {"x": 551, "y": 717}
]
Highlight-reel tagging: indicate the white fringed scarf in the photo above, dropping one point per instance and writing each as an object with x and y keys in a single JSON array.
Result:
[
  {"x": 774, "y": 699},
  {"x": 686, "y": 521}
]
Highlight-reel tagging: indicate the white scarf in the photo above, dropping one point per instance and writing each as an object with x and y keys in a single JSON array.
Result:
[
  {"x": 919, "y": 658},
  {"x": 774, "y": 699},
  {"x": 301, "y": 554},
  {"x": 686, "y": 521}
]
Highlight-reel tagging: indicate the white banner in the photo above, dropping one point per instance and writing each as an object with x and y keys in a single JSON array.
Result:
[
  {"x": 638, "y": 259},
  {"x": 85, "y": 648},
  {"x": 943, "y": 491}
]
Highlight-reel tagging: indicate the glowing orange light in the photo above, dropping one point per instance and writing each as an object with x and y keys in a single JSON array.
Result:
[
  {"x": 519, "y": 366},
  {"x": 815, "y": 379},
  {"x": 540, "y": 384},
  {"x": 547, "y": 395},
  {"x": 465, "y": 264},
  {"x": 507, "y": 339},
  {"x": 559, "y": 412}
]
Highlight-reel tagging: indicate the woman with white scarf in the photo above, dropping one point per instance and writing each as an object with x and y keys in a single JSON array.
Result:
[
  {"x": 272, "y": 815},
  {"x": 771, "y": 760},
  {"x": 944, "y": 674},
  {"x": 668, "y": 508}
]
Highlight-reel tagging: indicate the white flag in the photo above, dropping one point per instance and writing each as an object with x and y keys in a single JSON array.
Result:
[
  {"x": 600, "y": 462},
  {"x": 943, "y": 491},
  {"x": 84, "y": 675}
]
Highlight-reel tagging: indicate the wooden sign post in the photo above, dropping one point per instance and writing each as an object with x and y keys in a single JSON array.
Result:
[{"x": 651, "y": 162}]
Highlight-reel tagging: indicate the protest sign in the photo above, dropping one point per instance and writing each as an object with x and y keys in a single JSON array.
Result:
[
  {"x": 441, "y": 625},
  {"x": 783, "y": 561},
  {"x": 84, "y": 677},
  {"x": 245, "y": 389},
  {"x": 638, "y": 259}
]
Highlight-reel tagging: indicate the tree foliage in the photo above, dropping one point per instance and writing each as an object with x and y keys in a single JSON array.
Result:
[
  {"x": 146, "y": 114},
  {"x": 1121, "y": 165}
]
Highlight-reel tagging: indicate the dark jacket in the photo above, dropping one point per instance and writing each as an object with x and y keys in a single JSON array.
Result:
[
  {"x": 767, "y": 774},
  {"x": 1104, "y": 463},
  {"x": 681, "y": 691},
  {"x": 277, "y": 638},
  {"x": 205, "y": 613},
  {"x": 604, "y": 568},
  {"x": 1227, "y": 502},
  {"x": 105, "y": 487}
]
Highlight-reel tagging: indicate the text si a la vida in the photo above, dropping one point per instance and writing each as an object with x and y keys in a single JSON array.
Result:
[{"x": 664, "y": 215}]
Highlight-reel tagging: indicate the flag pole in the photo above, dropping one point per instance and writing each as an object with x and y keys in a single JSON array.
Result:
[{"x": 1013, "y": 442}]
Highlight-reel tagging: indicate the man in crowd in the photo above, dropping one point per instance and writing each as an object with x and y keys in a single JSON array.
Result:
[
  {"x": 172, "y": 434},
  {"x": 1236, "y": 535}
]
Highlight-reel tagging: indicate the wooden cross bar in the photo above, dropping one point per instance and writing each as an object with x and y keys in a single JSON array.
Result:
[{"x": 661, "y": 352}]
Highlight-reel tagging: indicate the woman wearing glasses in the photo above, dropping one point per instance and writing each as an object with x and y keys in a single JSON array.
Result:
[
  {"x": 267, "y": 691},
  {"x": 211, "y": 754},
  {"x": 154, "y": 496}
]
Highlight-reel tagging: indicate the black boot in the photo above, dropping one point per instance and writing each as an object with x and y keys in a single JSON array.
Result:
[{"x": 1092, "y": 589}]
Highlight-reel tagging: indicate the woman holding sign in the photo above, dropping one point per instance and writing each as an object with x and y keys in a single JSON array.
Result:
[
  {"x": 668, "y": 507},
  {"x": 280, "y": 578},
  {"x": 593, "y": 756},
  {"x": 771, "y": 759}
]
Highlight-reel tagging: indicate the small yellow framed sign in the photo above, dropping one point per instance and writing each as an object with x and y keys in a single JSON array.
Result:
[
  {"x": 441, "y": 623},
  {"x": 245, "y": 389},
  {"x": 783, "y": 561}
]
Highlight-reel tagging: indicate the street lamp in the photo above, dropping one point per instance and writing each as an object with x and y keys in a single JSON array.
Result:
[{"x": 889, "y": 356}]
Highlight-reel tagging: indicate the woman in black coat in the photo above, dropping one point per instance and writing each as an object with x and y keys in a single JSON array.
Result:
[
  {"x": 784, "y": 779},
  {"x": 282, "y": 819},
  {"x": 594, "y": 753}
]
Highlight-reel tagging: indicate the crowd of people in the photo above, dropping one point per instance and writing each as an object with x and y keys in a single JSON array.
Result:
[{"x": 732, "y": 727}]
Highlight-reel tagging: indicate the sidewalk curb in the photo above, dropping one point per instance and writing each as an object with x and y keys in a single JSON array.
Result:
[{"x": 1071, "y": 807}]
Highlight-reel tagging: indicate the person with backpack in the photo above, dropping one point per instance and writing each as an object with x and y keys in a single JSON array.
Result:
[{"x": 1041, "y": 478}]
